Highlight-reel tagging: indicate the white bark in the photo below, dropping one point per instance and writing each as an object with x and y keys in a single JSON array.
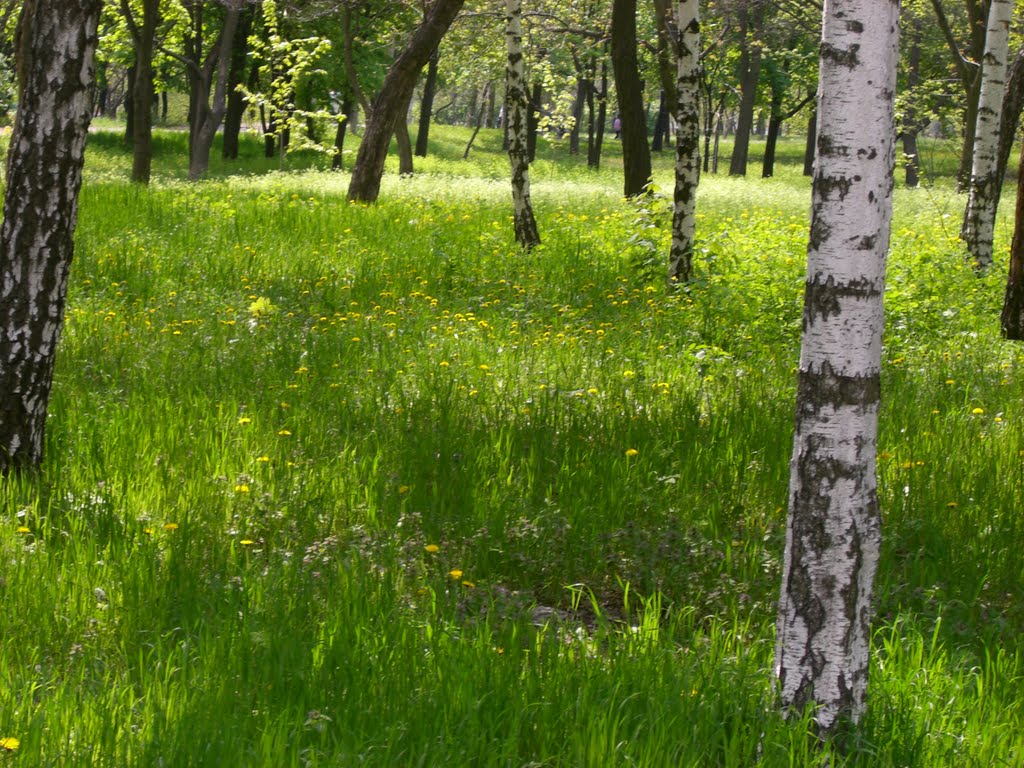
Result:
[
  {"x": 687, "y": 117},
  {"x": 832, "y": 534},
  {"x": 516, "y": 106},
  {"x": 980, "y": 214}
]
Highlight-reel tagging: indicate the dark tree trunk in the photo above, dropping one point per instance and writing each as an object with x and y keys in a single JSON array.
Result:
[
  {"x": 596, "y": 138},
  {"x": 402, "y": 140},
  {"x": 1013, "y": 101},
  {"x": 163, "y": 106},
  {"x": 771, "y": 140},
  {"x": 427, "y": 104},
  {"x": 660, "y": 125},
  {"x": 213, "y": 76},
  {"x": 636, "y": 154},
  {"x": 140, "y": 110},
  {"x": 491, "y": 107},
  {"x": 750, "y": 72},
  {"x": 338, "y": 161},
  {"x": 911, "y": 123},
  {"x": 1013, "y": 302},
  {"x": 479, "y": 121},
  {"x": 55, "y": 42},
  {"x": 129, "y": 107},
  {"x": 236, "y": 101},
  {"x": 812, "y": 143},
  {"x": 393, "y": 100},
  {"x": 582, "y": 88},
  {"x": 533, "y": 119}
]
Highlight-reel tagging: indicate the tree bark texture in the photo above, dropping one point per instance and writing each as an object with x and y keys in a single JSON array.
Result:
[
  {"x": 833, "y": 529},
  {"x": 516, "y": 127},
  {"x": 810, "y": 148},
  {"x": 750, "y": 73},
  {"x": 56, "y": 44},
  {"x": 636, "y": 154},
  {"x": 595, "y": 135},
  {"x": 980, "y": 214},
  {"x": 687, "y": 88},
  {"x": 427, "y": 104},
  {"x": 392, "y": 101},
  {"x": 1013, "y": 101},
  {"x": 1012, "y": 320}
]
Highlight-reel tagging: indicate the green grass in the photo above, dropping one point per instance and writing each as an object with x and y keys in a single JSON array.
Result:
[{"x": 271, "y": 406}]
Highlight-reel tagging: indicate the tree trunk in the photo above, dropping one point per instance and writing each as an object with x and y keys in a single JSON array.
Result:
[
  {"x": 533, "y": 119},
  {"x": 582, "y": 88},
  {"x": 212, "y": 75},
  {"x": 479, "y": 121},
  {"x": 811, "y": 144},
  {"x": 516, "y": 110},
  {"x": 687, "y": 89},
  {"x": 55, "y": 42},
  {"x": 403, "y": 141},
  {"x": 1013, "y": 301},
  {"x": 427, "y": 104},
  {"x": 393, "y": 100},
  {"x": 129, "y": 107},
  {"x": 236, "y": 101},
  {"x": 595, "y": 138},
  {"x": 660, "y": 125},
  {"x": 1013, "y": 101},
  {"x": 140, "y": 123},
  {"x": 636, "y": 154},
  {"x": 911, "y": 124},
  {"x": 338, "y": 160},
  {"x": 980, "y": 215},
  {"x": 833, "y": 529},
  {"x": 750, "y": 72}
]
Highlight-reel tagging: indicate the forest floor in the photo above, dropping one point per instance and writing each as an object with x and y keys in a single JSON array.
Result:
[{"x": 335, "y": 484}]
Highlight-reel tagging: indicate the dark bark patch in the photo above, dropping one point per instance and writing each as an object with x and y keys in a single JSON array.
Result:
[
  {"x": 822, "y": 299},
  {"x": 844, "y": 58},
  {"x": 826, "y": 388}
]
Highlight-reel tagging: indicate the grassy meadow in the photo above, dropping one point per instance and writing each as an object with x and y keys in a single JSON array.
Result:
[{"x": 334, "y": 485}]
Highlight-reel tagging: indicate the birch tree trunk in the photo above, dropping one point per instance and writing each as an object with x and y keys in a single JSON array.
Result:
[
  {"x": 516, "y": 126},
  {"x": 833, "y": 529},
  {"x": 980, "y": 214},
  {"x": 687, "y": 116},
  {"x": 56, "y": 42}
]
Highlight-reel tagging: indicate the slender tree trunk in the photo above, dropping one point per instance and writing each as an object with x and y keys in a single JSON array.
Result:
[
  {"x": 582, "y": 88},
  {"x": 129, "y": 106},
  {"x": 1013, "y": 301},
  {"x": 833, "y": 531},
  {"x": 1013, "y": 101},
  {"x": 750, "y": 72},
  {"x": 980, "y": 214},
  {"x": 55, "y": 44},
  {"x": 812, "y": 141},
  {"x": 516, "y": 109},
  {"x": 209, "y": 116},
  {"x": 236, "y": 73},
  {"x": 393, "y": 99},
  {"x": 479, "y": 121},
  {"x": 533, "y": 119},
  {"x": 636, "y": 154},
  {"x": 338, "y": 160},
  {"x": 141, "y": 110},
  {"x": 427, "y": 103},
  {"x": 403, "y": 141},
  {"x": 660, "y": 125},
  {"x": 597, "y": 135},
  {"x": 687, "y": 89},
  {"x": 911, "y": 125}
]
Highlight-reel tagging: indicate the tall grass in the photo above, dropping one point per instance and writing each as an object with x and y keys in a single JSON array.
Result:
[{"x": 332, "y": 484}]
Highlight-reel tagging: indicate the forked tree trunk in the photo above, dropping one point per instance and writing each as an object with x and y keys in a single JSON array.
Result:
[
  {"x": 516, "y": 107},
  {"x": 55, "y": 47},
  {"x": 636, "y": 153},
  {"x": 1013, "y": 301},
  {"x": 833, "y": 530},
  {"x": 392, "y": 101},
  {"x": 980, "y": 214},
  {"x": 211, "y": 76},
  {"x": 687, "y": 89}
]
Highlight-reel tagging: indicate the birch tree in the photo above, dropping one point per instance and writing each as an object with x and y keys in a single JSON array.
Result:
[
  {"x": 833, "y": 528},
  {"x": 980, "y": 214},
  {"x": 687, "y": 140},
  {"x": 516, "y": 106},
  {"x": 56, "y": 42}
]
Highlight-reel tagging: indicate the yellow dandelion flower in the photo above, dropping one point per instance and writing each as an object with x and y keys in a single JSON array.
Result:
[
  {"x": 263, "y": 459},
  {"x": 148, "y": 531},
  {"x": 632, "y": 452},
  {"x": 432, "y": 548},
  {"x": 592, "y": 391},
  {"x": 443, "y": 364},
  {"x": 978, "y": 411},
  {"x": 24, "y": 529},
  {"x": 485, "y": 367},
  {"x": 468, "y": 584},
  {"x": 403, "y": 489},
  {"x": 170, "y": 526},
  {"x": 455, "y": 573},
  {"x": 284, "y": 433},
  {"x": 247, "y": 542},
  {"x": 9, "y": 743},
  {"x": 241, "y": 488},
  {"x": 244, "y": 420}
]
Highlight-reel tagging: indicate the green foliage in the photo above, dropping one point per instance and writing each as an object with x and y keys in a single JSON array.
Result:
[{"x": 330, "y": 484}]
